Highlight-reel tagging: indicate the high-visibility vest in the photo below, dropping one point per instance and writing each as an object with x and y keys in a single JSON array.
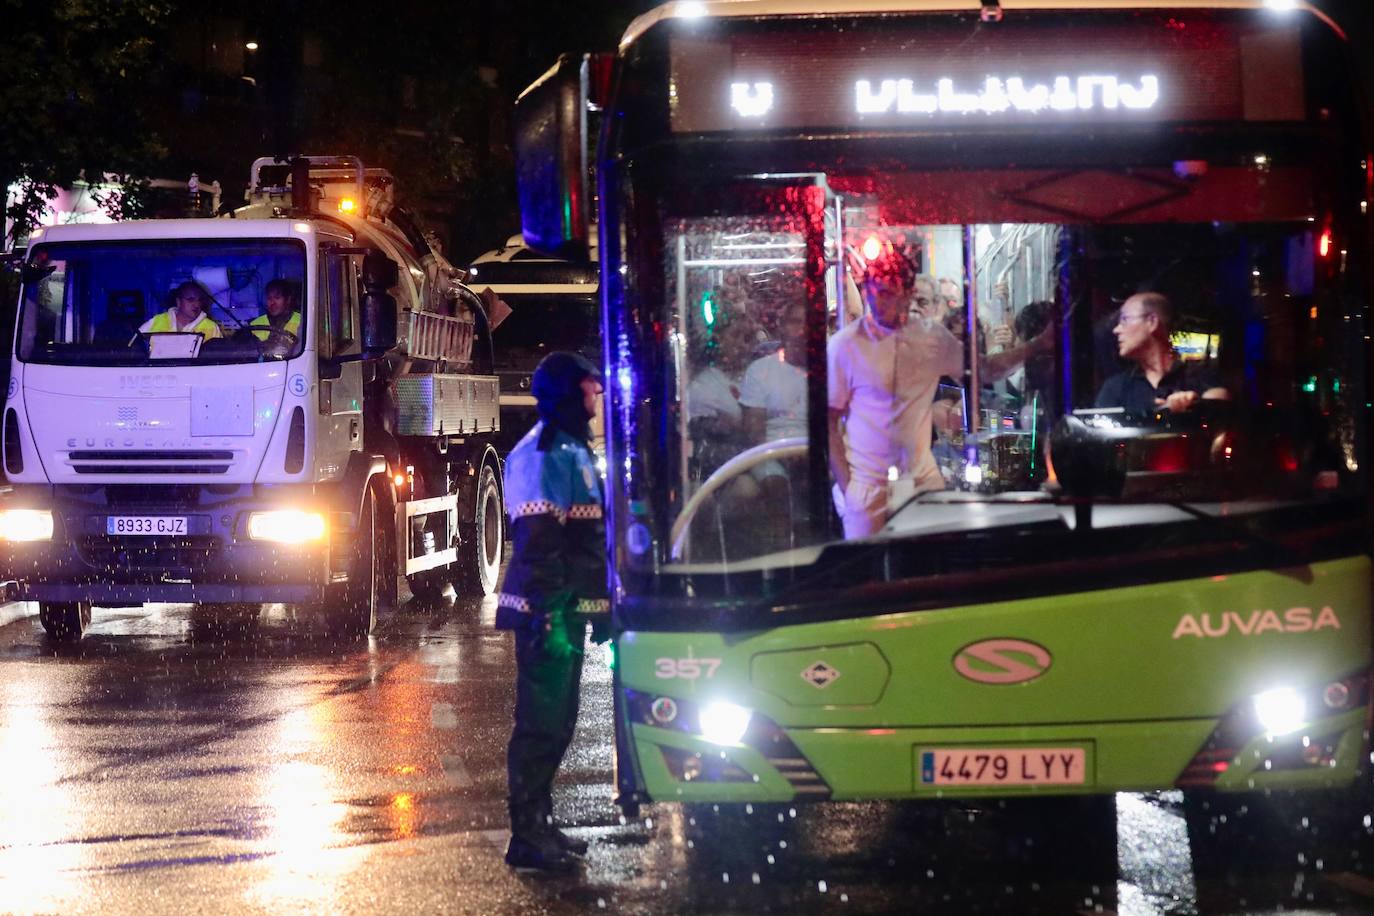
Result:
[
  {"x": 163, "y": 322},
  {"x": 292, "y": 326}
]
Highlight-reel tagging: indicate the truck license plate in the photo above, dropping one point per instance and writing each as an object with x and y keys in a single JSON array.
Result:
[
  {"x": 1003, "y": 766},
  {"x": 145, "y": 524}
]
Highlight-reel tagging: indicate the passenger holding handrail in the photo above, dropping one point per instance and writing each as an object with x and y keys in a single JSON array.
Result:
[{"x": 883, "y": 373}]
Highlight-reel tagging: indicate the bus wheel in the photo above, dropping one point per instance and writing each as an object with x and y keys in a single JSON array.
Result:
[
  {"x": 357, "y": 614},
  {"x": 480, "y": 562},
  {"x": 64, "y": 620}
]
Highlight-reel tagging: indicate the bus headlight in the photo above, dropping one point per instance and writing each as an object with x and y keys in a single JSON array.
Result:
[
  {"x": 723, "y": 723},
  {"x": 1281, "y": 710},
  {"x": 26, "y": 525},
  {"x": 286, "y": 526}
]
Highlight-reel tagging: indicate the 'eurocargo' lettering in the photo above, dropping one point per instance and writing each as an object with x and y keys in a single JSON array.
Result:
[{"x": 1293, "y": 620}]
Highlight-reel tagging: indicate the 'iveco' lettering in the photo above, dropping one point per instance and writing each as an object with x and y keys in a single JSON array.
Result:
[
  {"x": 1293, "y": 620},
  {"x": 144, "y": 382}
]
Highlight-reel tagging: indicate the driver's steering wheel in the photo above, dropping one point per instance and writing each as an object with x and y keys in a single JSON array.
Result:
[{"x": 744, "y": 461}]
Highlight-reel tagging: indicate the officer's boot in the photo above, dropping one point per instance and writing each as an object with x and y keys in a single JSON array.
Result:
[
  {"x": 532, "y": 845},
  {"x": 566, "y": 843}
]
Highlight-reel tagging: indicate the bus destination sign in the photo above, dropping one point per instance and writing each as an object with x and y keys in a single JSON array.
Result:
[{"x": 1140, "y": 70}]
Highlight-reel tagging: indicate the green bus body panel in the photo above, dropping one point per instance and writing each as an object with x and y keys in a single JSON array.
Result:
[
  {"x": 1137, "y": 676},
  {"x": 862, "y": 676}
]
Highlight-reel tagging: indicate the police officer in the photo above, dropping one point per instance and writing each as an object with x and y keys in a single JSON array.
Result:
[{"x": 555, "y": 581}]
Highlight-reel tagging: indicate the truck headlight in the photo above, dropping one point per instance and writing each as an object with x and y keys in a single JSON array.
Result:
[
  {"x": 26, "y": 525},
  {"x": 286, "y": 526}
]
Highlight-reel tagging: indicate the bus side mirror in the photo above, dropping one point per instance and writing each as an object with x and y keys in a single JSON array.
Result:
[{"x": 551, "y": 155}]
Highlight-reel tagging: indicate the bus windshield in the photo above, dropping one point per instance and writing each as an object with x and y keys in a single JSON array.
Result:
[
  {"x": 905, "y": 358},
  {"x": 158, "y": 303},
  {"x": 910, "y": 332}
]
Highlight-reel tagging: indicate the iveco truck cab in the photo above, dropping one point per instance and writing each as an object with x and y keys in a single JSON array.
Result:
[{"x": 315, "y": 457}]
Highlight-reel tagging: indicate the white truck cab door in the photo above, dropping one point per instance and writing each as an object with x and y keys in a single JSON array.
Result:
[{"x": 340, "y": 390}]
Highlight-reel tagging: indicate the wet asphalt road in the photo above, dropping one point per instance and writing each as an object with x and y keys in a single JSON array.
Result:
[{"x": 173, "y": 764}]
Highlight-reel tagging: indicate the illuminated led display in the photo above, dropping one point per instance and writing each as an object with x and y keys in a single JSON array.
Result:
[
  {"x": 1101, "y": 69},
  {"x": 751, "y": 100},
  {"x": 997, "y": 96}
]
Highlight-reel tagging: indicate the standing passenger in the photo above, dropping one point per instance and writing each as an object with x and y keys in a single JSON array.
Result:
[{"x": 556, "y": 578}]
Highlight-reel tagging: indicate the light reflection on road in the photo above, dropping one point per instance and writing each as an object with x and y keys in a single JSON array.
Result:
[
  {"x": 41, "y": 864},
  {"x": 304, "y": 819}
]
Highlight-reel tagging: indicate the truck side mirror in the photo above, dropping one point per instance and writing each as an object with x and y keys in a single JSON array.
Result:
[
  {"x": 379, "y": 271},
  {"x": 379, "y": 323},
  {"x": 380, "y": 274}
]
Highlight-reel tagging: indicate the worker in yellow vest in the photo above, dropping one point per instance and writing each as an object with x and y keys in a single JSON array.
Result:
[
  {"x": 187, "y": 315},
  {"x": 281, "y": 315}
]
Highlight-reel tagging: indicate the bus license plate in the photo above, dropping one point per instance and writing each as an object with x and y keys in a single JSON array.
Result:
[
  {"x": 125, "y": 525},
  {"x": 1014, "y": 766}
]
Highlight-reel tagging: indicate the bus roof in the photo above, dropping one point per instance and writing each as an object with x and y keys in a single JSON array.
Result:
[{"x": 699, "y": 9}]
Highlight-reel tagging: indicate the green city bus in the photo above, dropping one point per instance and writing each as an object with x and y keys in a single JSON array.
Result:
[{"x": 1097, "y": 600}]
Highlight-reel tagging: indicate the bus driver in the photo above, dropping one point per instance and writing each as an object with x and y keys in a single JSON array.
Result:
[{"x": 1157, "y": 377}]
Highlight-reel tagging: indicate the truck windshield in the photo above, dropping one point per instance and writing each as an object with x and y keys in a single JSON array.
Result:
[{"x": 140, "y": 303}]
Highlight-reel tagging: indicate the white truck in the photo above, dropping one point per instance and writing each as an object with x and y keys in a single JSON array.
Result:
[{"x": 314, "y": 463}]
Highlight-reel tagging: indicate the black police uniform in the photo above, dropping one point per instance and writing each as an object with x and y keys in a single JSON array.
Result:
[{"x": 555, "y": 580}]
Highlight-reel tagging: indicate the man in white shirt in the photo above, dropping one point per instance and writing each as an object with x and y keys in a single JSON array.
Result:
[
  {"x": 773, "y": 396},
  {"x": 883, "y": 371}
]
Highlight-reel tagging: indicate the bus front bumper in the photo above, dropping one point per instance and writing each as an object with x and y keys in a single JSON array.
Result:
[{"x": 772, "y": 764}]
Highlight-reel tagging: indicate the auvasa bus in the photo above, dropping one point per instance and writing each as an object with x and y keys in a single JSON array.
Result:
[{"x": 1088, "y": 596}]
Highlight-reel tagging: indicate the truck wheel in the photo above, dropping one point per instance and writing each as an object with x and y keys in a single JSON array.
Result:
[
  {"x": 480, "y": 562},
  {"x": 357, "y": 615},
  {"x": 64, "y": 620}
]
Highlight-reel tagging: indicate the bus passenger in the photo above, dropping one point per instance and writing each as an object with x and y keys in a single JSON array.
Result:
[
  {"x": 187, "y": 315},
  {"x": 773, "y": 395},
  {"x": 280, "y": 313},
  {"x": 883, "y": 373},
  {"x": 714, "y": 415},
  {"x": 924, "y": 299},
  {"x": 1157, "y": 378}
]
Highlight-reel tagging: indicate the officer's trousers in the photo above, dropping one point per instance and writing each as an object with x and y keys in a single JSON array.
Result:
[{"x": 547, "y": 691}]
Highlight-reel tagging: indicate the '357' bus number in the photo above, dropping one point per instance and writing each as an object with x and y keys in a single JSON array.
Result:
[{"x": 686, "y": 669}]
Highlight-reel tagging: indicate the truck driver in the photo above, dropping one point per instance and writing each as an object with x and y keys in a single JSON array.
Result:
[{"x": 280, "y": 313}]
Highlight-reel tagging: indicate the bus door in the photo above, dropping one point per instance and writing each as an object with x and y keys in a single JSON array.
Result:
[{"x": 753, "y": 281}]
